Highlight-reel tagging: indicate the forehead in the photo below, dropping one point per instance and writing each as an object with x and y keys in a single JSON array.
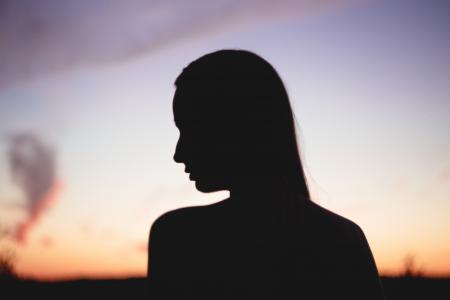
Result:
[{"x": 194, "y": 103}]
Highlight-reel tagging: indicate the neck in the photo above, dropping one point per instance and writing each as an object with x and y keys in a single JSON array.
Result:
[
  {"x": 251, "y": 184},
  {"x": 261, "y": 193},
  {"x": 256, "y": 192}
]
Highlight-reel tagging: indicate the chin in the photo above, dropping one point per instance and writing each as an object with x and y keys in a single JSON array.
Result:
[{"x": 208, "y": 187}]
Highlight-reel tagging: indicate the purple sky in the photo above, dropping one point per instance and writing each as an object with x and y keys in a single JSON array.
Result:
[{"x": 93, "y": 82}]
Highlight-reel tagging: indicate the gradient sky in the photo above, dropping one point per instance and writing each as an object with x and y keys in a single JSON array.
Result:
[{"x": 92, "y": 82}]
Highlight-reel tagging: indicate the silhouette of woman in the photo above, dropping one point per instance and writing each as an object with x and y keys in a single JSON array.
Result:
[{"x": 268, "y": 240}]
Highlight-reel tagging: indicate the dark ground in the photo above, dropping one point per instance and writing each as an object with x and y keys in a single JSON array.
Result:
[{"x": 396, "y": 288}]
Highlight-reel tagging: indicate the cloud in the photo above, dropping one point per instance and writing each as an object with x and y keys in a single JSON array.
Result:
[
  {"x": 4, "y": 231},
  {"x": 86, "y": 229},
  {"x": 32, "y": 166},
  {"x": 45, "y": 36},
  {"x": 47, "y": 241},
  {"x": 141, "y": 247},
  {"x": 444, "y": 175}
]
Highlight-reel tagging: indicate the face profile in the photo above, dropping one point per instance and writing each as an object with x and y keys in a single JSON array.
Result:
[
  {"x": 268, "y": 240},
  {"x": 202, "y": 154},
  {"x": 200, "y": 147},
  {"x": 235, "y": 122}
]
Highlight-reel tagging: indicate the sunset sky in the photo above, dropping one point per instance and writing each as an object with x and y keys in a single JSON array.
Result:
[{"x": 87, "y": 134}]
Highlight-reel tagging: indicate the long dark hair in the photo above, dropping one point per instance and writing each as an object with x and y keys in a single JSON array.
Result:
[
  {"x": 248, "y": 91},
  {"x": 239, "y": 95}
]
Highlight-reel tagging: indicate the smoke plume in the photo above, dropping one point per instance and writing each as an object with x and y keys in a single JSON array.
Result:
[{"x": 32, "y": 166}]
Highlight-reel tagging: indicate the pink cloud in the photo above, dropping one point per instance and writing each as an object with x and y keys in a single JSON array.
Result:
[
  {"x": 23, "y": 230},
  {"x": 444, "y": 175},
  {"x": 39, "y": 37},
  {"x": 141, "y": 247},
  {"x": 47, "y": 241},
  {"x": 33, "y": 169}
]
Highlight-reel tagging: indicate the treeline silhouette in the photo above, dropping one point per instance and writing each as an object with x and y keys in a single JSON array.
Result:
[{"x": 395, "y": 288}]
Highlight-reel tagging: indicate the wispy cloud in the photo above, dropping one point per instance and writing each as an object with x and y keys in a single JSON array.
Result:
[
  {"x": 38, "y": 37},
  {"x": 141, "y": 247},
  {"x": 33, "y": 170},
  {"x": 47, "y": 241},
  {"x": 444, "y": 175}
]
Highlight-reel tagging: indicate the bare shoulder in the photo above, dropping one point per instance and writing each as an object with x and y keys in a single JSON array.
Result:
[
  {"x": 334, "y": 223},
  {"x": 341, "y": 248},
  {"x": 182, "y": 219}
]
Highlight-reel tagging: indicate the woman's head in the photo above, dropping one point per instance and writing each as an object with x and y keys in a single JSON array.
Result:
[{"x": 236, "y": 123}]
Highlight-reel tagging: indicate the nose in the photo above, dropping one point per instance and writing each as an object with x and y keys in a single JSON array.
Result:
[{"x": 177, "y": 157}]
